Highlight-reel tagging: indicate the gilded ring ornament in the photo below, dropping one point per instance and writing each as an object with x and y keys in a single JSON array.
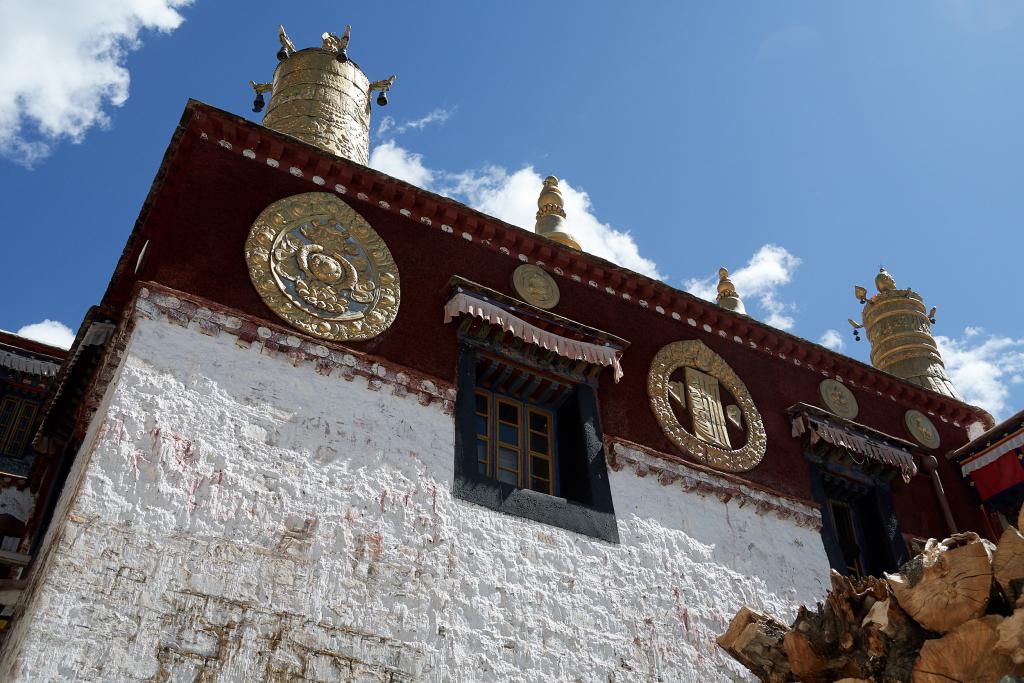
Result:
[
  {"x": 922, "y": 428},
  {"x": 695, "y": 356},
  {"x": 320, "y": 266},
  {"x": 839, "y": 399},
  {"x": 535, "y": 286}
]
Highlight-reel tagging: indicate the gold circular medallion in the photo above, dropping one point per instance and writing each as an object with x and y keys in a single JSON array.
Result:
[
  {"x": 839, "y": 399},
  {"x": 698, "y": 393},
  {"x": 922, "y": 428},
  {"x": 320, "y": 266},
  {"x": 535, "y": 286}
]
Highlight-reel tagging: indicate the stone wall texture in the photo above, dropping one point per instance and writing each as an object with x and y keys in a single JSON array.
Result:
[{"x": 235, "y": 516}]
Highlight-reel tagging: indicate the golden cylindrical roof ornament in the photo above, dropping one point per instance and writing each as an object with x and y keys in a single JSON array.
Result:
[
  {"x": 899, "y": 331},
  {"x": 320, "y": 96}
]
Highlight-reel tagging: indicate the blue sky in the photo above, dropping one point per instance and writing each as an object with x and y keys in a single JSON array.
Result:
[{"x": 800, "y": 144}]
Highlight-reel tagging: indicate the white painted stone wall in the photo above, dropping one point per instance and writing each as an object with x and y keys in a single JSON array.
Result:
[
  {"x": 16, "y": 502},
  {"x": 238, "y": 518}
]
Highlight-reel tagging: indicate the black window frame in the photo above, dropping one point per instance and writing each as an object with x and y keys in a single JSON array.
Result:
[
  {"x": 16, "y": 432},
  {"x": 868, "y": 498},
  {"x": 585, "y": 503}
]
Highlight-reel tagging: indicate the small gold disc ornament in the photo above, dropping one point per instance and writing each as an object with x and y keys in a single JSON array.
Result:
[
  {"x": 320, "y": 266},
  {"x": 839, "y": 399},
  {"x": 535, "y": 286},
  {"x": 697, "y": 392},
  {"x": 922, "y": 428}
]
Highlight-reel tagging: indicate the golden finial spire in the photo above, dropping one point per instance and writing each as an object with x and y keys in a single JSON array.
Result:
[
  {"x": 900, "y": 333},
  {"x": 551, "y": 214},
  {"x": 727, "y": 296},
  {"x": 884, "y": 281}
]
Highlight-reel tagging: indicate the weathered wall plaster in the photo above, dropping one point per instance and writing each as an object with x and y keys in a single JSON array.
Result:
[
  {"x": 233, "y": 517},
  {"x": 17, "y": 502}
]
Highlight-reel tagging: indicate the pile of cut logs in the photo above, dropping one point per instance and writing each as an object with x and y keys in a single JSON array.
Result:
[{"x": 953, "y": 613}]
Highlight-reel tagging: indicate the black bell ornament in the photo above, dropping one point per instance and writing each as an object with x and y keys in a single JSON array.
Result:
[
  {"x": 258, "y": 103},
  {"x": 382, "y": 99}
]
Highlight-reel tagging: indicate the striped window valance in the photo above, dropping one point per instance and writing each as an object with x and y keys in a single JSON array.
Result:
[{"x": 465, "y": 303}]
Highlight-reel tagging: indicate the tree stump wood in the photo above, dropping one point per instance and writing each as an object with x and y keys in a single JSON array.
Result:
[
  {"x": 1011, "y": 637},
  {"x": 859, "y": 632},
  {"x": 965, "y": 655},
  {"x": 947, "y": 584},
  {"x": 755, "y": 641},
  {"x": 874, "y": 629},
  {"x": 1008, "y": 564}
]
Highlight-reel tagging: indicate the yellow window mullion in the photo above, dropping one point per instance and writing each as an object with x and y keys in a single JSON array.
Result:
[
  {"x": 8, "y": 421},
  {"x": 547, "y": 481},
  {"x": 486, "y": 438},
  {"x": 500, "y": 443}
]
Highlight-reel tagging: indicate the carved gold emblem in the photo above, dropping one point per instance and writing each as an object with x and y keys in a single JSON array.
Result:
[
  {"x": 839, "y": 399},
  {"x": 922, "y": 428},
  {"x": 701, "y": 396},
  {"x": 535, "y": 286},
  {"x": 697, "y": 390},
  {"x": 734, "y": 415},
  {"x": 320, "y": 266}
]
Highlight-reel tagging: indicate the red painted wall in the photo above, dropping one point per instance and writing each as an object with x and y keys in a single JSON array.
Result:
[{"x": 212, "y": 196}]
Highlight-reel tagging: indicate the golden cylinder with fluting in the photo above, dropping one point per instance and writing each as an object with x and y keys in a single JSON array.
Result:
[
  {"x": 900, "y": 334},
  {"x": 322, "y": 101}
]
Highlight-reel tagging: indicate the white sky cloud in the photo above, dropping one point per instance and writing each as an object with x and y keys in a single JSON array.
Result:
[
  {"x": 512, "y": 197},
  {"x": 770, "y": 268},
  {"x": 982, "y": 366},
  {"x": 50, "y": 332},
  {"x": 400, "y": 163},
  {"x": 388, "y": 123},
  {"x": 831, "y": 339},
  {"x": 62, "y": 62}
]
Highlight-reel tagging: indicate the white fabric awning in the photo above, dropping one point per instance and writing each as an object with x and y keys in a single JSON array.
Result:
[
  {"x": 463, "y": 303},
  {"x": 29, "y": 364},
  {"x": 876, "y": 450}
]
